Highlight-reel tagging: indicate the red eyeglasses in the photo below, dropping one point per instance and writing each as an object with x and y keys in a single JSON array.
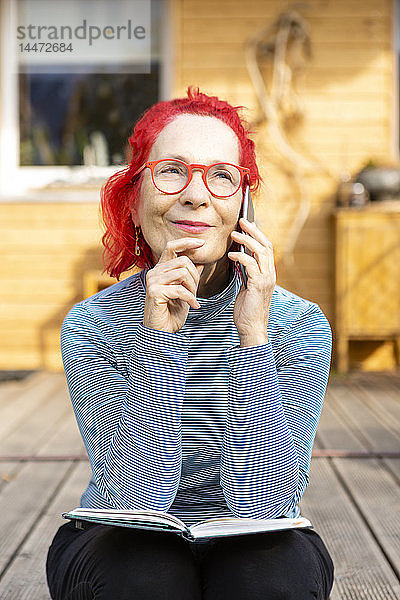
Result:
[{"x": 172, "y": 176}]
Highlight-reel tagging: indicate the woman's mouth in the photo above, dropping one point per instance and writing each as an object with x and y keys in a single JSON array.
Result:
[{"x": 192, "y": 228}]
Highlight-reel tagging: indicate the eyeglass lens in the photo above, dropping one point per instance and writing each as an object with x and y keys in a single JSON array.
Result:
[{"x": 171, "y": 177}]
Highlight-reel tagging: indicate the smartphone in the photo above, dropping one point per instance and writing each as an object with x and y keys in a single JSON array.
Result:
[{"x": 247, "y": 212}]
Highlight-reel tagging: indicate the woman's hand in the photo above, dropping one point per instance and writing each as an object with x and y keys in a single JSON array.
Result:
[
  {"x": 171, "y": 286},
  {"x": 251, "y": 309}
]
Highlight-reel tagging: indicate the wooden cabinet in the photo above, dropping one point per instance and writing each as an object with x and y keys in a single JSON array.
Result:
[{"x": 367, "y": 276}]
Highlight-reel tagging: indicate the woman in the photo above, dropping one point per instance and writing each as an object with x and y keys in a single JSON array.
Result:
[{"x": 193, "y": 394}]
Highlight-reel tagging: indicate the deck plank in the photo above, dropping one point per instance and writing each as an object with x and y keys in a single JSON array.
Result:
[
  {"x": 11, "y": 388},
  {"x": 66, "y": 440},
  {"x": 334, "y": 432},
  {"x": 361, "y": 570},
  {"x": 26, "y": 577},
  {"x": 8, "y": 471},
  {"x": 393, "y": 464},
  {"x": 33, "y": 432},
  {"x": 381, "y": 400},
  {"x": 366, "y": 425},
  {"x": 27, "y": 403},
  {"x": 23, "y": 500},
  {"x": 373, "y": 487},
  {"x": 49, "y": 430},
  {"x": 371, "y": 483}
]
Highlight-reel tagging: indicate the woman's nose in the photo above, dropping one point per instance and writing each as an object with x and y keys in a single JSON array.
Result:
[{"x": 196, "y": 192}]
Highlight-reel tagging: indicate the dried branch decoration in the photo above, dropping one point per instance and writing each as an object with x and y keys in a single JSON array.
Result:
[{"x": 286, "y": 46}]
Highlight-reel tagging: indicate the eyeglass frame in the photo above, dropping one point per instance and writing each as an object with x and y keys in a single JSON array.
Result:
[{"x": 151, "y": 164}]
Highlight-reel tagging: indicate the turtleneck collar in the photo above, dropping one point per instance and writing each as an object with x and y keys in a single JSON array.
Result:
[{"x": 213, "y": 306}]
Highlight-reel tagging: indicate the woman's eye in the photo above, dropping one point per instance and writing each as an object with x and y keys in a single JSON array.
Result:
[
  {"x": 170, "y": 170},
  {"x": 223, "y": 175}
]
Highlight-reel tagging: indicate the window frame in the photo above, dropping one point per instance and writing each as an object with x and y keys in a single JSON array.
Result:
[{"x": 19, "y": 183}]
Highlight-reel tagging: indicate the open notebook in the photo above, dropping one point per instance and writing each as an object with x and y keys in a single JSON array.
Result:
[{"x": 159, "y": 521}]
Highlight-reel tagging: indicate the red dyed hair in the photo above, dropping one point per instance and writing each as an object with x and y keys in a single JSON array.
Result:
[{"x": 120, "y": 193}]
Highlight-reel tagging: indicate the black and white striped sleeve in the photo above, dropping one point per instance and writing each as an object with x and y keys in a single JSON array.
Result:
[
  {"x": 274, "y": 409},
  {"x": 131, "y": 425}
]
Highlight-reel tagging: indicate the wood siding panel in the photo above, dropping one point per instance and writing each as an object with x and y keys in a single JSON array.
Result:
[
  {"x": 266, "y": 8},
  {"x": 45, "y": 249}
]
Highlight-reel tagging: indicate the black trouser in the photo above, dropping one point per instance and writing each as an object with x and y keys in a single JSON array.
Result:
[{"x": 116, "y": 563}]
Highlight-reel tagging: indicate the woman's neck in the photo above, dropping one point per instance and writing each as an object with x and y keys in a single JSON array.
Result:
[{"x": 215, "y": 278}]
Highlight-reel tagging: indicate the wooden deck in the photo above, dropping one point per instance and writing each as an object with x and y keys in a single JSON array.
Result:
[{"x": 353, "y": 499}]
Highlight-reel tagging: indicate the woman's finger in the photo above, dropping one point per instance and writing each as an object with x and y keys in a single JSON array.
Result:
[
  {"x": 179, "y": 292},
  {"x": 169, "y": 255},
  {"x": 261, "y": 253},
  {"x": 247, "y": 261},
  {"x": 252, "y": 264},
  {"x": 181, "y": 262},
  {"x": 248, "y": 241},
  {"x": 179, "y": 275},
  {"x": 173, "y": 247}
]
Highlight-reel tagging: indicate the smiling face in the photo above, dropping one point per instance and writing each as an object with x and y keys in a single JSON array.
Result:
[{"x": 193, "y": 139}]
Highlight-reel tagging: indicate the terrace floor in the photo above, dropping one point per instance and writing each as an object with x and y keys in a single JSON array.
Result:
[{"x": 353, "y": 499}]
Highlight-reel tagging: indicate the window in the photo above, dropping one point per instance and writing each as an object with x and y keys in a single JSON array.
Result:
[
  {"x": 91, "y": 115},
  {"x": 61, "y": 127}
]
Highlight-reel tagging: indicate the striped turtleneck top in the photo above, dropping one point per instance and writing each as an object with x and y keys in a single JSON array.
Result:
[{"x": 188, "y": 422}]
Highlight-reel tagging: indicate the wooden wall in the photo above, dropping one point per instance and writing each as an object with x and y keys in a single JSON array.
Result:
[
  {"x": 347, "y": 92},
  {"x": 45, "y": 250}
]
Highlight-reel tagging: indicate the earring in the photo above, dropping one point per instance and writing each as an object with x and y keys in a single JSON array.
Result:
[{"x": 137, "y": 247}]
